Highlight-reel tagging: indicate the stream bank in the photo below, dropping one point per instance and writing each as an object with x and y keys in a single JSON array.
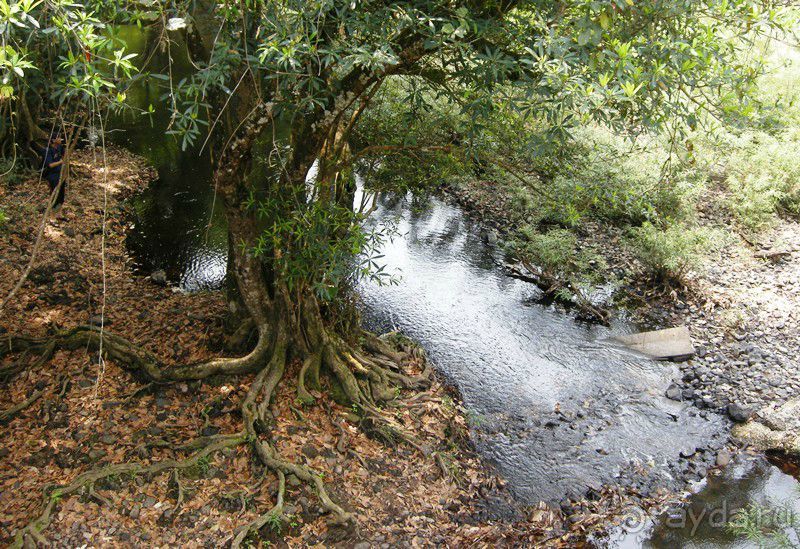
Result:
[
  {"x": 742, "y": 310},
  {"x": 90, "y": 415}
]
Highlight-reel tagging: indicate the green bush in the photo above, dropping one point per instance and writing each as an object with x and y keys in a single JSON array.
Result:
[
  {"x": 669, "y": 254},
  {"x": 763, "y": 177},
  {"x": 556, "y": 252},
  {"x": 552, "y": 251},
  {"x": 3, "y": 219},
  {"x": 615, "y": 179}
]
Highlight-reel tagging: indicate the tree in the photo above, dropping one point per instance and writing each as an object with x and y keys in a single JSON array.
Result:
[{"x": 286, "y": 83}]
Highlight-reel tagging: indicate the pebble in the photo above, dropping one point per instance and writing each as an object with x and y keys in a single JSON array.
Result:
[
  {"x": 673, "y": 392},
  {"x": 739, "y": 413}
]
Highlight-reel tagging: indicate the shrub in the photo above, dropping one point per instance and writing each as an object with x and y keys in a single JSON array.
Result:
[
  {"x": 3, "y": 219},
  {"x": 763, "y": 177},
  {"x": 553, "y": 251},
  {"x": 670, "y": 253},
  {"x": 614, "y": 179}
]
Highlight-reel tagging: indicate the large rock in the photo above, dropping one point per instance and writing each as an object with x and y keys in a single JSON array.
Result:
[
  {"x": 670, "y": 344},
  {"x": 776, "y": 427}
]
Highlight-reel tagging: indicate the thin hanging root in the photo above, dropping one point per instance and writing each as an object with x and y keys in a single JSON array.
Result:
[
  {"x": 33, "y": 531},
  {"x": 254, "y": 526}
]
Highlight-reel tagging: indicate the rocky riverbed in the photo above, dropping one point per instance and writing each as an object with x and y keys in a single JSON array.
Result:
[{"x": 745, "y": 320}]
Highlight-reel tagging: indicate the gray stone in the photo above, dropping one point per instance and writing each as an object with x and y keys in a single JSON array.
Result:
[
  {"x": 673, "y": 392},
  {"x": 739, "y": 413},
  {"x": 723, "y": 458},
  {"x": 669, "y": 344}
]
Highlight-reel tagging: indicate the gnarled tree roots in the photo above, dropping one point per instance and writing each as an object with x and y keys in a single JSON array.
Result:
[{"x": 366, "y": 378}]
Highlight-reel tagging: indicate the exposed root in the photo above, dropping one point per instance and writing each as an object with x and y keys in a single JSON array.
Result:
[
  {"x": 367, "y": 376},
  {"x": 134, "y": 359},
  {"x": 31, "y": 535},
  {"x": 364, "y": 383},
  {"x": 8, "y": 415},
  {"x": 254, "y": 414},
  {"x": 310, "y": 366},
  {"x": 254, "y": 526},
  {"x": 176, "y": 479}
]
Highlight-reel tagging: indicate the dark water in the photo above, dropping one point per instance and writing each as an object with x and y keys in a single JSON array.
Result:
[
  {"x": 178, "y": 225},
  {"x": 749, "y": 483},
  {"x": 555, "y": 406}
]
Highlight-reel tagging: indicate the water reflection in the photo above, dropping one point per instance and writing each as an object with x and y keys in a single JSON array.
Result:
[
  {"x": 557, "y": 408},
  {"x": 702, "y": 523},
  {"x": 178, "y": 224}
]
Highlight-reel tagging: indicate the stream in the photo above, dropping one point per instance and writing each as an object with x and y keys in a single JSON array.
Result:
[{"x": 553, "y": 404}]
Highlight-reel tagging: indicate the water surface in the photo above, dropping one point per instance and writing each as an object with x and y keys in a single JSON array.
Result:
[{"x": 556, "y": 406}]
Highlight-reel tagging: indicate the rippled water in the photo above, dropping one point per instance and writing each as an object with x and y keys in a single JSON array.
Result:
[
  {"x": 556, "y": 406},
  {"x": 177, "y": 227}
]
